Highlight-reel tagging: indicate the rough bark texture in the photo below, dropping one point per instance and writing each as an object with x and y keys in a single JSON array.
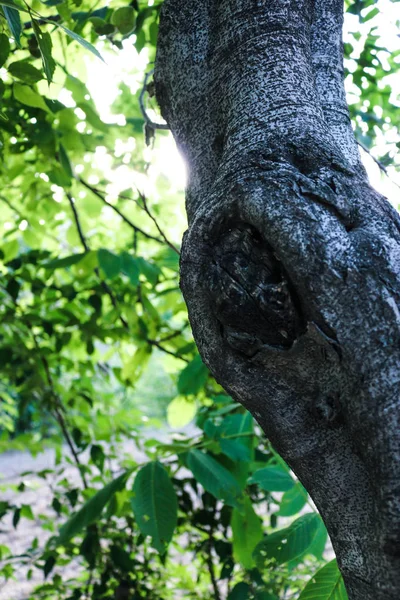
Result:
[{"x": 290, "y": 266}]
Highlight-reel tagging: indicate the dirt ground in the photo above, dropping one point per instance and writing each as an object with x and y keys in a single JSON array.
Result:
[{"x": 38, "y": 495}]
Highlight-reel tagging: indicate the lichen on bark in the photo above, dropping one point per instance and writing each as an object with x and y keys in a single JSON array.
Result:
[{"x": 290, "y": 266}]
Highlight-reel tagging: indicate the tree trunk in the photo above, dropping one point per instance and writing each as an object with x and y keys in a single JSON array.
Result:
[{"x": 290, "y": 266}]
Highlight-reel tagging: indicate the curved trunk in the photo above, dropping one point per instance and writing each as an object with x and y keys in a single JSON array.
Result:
[{"x": 290, "y": 267}]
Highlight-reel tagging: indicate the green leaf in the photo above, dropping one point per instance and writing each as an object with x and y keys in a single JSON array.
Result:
[
  {"x": 124, "y": 19},
  {"x": 214, "y": 478},
  {"x": 149, "y": 270},
  {"x": 14, "y": 21},
  {"x": 130, "y": 268},
  {"x": 67, "y": 261},
  {"x": 65, "y": 162},
  {"x": 287, "y": 544},
  {"x": 58, "y": 176},
  {"x": 97, "y": 456},
  {"x": 180, "y": 412},
  {"x": 247, "y": 533},
  {"x": 292, "y": 501},
  {"x": 326, "y": 584},
  {"x": 166, "y": 257},
  {"x": 10, "y": 250},
  {"x": 45, "y": 47},
  {"x": 87, "y": 45},
  {"x": 26, "y": 512},
  {"x": 25, "y": 71},
  {"x": 4, "y": 48},
  {"x": 101, "y": 26},
  {"x": 49, "y": 565},
  {"x": 272, "y": 479},
  {"x": 240, "y": 425},
  {"x": 153, "y": 30},
  {"x": 109, "y": 262},
  {"x": 318, "y": 545},
  {"x": 235, "y": 450},
  {"x": 193, "y": 377},
  {"x": 134, "y": 366},
  {"x": 91, "y": 510},
  {"x": 370, "y": 15},
  {"x": 92, "y": 117},
  {"x": 155, "y": 505},
  {"x": 25, "y": 95},
  {"x": 14, "y": 5},
  {"x": 241, "y": 591}
]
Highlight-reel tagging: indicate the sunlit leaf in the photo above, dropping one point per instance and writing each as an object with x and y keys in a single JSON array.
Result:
[
  {"x": 124, "y": 18},
  {"x": 25, "y": 71},
  {"x": 26, "y": 95},
  {"x": 180, "y": 412},
  {"x": 45, "y": 47},
  {"x": 4, "y": 48},
  {"x": 87, "y": 45}
]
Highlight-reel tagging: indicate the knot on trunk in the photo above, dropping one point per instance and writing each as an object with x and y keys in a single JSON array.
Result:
[{"x": 253, "y": 298}]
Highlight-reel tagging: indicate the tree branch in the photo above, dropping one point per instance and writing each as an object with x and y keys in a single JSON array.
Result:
[
  {"x": 147, "y": 210},
  {"x": 158, "y": 345},
  {"x": 378, "y": 162},
  {"x": 78, "y": 223},
  {"x": 99, "y": 194},
  {"x": 58, "y": 411},
  {"x": 85, "y": 245}
]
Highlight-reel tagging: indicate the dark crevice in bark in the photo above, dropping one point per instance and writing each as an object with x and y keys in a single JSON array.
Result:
[{"x": 253, "y": 297}]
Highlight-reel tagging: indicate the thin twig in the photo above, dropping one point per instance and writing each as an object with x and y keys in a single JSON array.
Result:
[
  {"x": 61, "y": 422},
  {"x": 11, "y": 207},
  {"x": 174, "y": 334},
  {"x": 157, "y": 344},
  {"x": 378, "y": 162},
  {"x": 211, "y": 570},
  {"x": 78, "y": 223},
  {"x": 149, "y": 122},
  {"x": 84, "y": 243},
  {"x": 210, "y": 562},
  {"x": 142, "y": 205},
  {"x": 152, "y": 217},
  {"x": 43, "y": 21},
  {"x": 58, "y": 411},
  {"x": 99, "y": 193}
]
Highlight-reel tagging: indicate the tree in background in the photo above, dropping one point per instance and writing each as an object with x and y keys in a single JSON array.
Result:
[{"x": 95, "y": 345}]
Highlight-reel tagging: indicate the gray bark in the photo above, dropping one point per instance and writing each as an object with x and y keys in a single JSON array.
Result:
[{"x": 290, "y": 266}]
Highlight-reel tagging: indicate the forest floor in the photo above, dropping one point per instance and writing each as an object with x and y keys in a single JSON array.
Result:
[{"x": 38, "y": 495}]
